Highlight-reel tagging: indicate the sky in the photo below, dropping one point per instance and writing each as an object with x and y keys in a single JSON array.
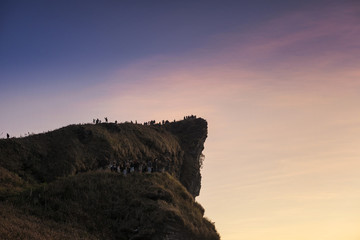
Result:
[{"x": 277, "y": 81}]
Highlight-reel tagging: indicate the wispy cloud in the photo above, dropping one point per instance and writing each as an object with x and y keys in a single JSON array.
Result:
[{"x": 301, "y": 50}]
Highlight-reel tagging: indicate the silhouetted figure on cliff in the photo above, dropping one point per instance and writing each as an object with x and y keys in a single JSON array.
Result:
[
  {"x": 106, "y": 119},
  {"x": 155, "y": 165},
  {"x": 132, "y": 166},
  {"x": 7, "y": 136},
  {"x": 136, "y": 165},
  {"x": 149, "y": 166},
  {"x": 190, "y": 117},
  {"x": 113, "y": 167},
  {"x": 121, "y": 167},
  {"x": 126, "y": 167},
  {"x": 140, "y": 169}
]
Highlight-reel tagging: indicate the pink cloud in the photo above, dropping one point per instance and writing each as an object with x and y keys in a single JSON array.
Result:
[
  {"x": 300, "y": 59},
  {"x": 315, "y": 39}
]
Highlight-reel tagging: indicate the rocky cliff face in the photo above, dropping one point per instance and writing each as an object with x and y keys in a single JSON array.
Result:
[
  {"x": 192, "y": 134},
  {"x": 61, "y": 180}
]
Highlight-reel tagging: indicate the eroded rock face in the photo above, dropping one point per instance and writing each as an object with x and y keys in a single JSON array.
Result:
[{"x": 192, "y": 134}]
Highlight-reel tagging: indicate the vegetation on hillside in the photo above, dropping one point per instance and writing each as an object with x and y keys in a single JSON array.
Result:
[
  {"x": 57, "y": 185},
  {"x": 80, "y": 148},
  {"x": 107, "y": 205},
  {"x": 15, "y": 224}
]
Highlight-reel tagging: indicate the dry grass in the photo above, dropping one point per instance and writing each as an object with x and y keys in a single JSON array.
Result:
[
  {"x": 111, "y": 206},
  {"x": 17, "y": 225},
  {"x": 80, "y": 148},
  {"x": 51, "y": 185}
]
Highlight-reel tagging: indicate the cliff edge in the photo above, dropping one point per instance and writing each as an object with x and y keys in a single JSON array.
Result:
[{"x": 58, "y": 184}]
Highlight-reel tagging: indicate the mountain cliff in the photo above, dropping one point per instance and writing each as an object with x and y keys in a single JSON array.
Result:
[{"x": 57, "y": 183}]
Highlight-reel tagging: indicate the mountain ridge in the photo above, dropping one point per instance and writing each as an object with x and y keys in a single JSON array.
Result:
[
  {"x": 42, "y": 177},
  {"x": 88, "y": 147}
]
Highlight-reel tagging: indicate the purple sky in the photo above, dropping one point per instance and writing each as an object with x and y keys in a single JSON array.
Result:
[{"x": 84, "y": 40}]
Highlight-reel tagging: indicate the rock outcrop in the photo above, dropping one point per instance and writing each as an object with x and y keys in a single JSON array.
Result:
[
  {"x": 61, "y": 178},
  {"x": 192, "y": 134}
]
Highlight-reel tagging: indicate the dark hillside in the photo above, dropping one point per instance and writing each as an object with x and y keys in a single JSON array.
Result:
[
  {"x": 15, "y": 224},
  {"x": 111, "y": 206},
  {"x": 58, "y": 185},
  {"x": 81, "y": 148}
]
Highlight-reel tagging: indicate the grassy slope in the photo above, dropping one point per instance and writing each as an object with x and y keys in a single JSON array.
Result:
[
  {"x": 17, "y": 225},
  {"x": 110, "y": 206},
  {"x": 45, "y": 195},
  {"x": 80, "y": 148}
]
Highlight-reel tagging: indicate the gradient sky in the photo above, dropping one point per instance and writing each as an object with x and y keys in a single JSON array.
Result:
[{"x": 277, "y": 81}]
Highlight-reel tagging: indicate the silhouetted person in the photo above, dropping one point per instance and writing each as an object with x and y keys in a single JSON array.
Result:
[
  {"x": 125, "y": 169},
  {"x": 140, "y": 167},
  {"x": 132, "y": 166},
  {"x": 128, "y": 166},
  {"x": 7, "y": 136},
  {"x": 136, "y": 165},
  {"x": 155, "y": 165},
  {"x": 113, "y": 167},
  {"x": 149, "y": 166},
  {"x": 116, "y": 122},
  {"x": 106, "y": 120}
]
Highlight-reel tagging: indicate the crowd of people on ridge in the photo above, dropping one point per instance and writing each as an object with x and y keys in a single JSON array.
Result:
[
  {"x": 135, "y": 166},
  {"x": 148, "y": 123},
  {"x": 190, "y": 117}
]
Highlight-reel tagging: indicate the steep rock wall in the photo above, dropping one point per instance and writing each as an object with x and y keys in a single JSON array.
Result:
[{"x": 192, "y": 134}]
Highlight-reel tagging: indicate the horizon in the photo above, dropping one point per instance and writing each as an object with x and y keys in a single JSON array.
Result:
[{"x": 278, "y": 83}]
